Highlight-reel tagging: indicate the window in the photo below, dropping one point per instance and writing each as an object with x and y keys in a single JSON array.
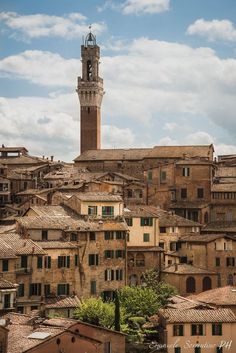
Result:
[
  {"x": 92, "y": 210},
  {"x": 120, "y": 235},
  {"x": 76, "y": 260},
  {"x": 35, "y": 289},
  {"x": 163, "y": 176},
  {"x": 63, "y": 261},
  {"x": 120, "y": 254},
  {"x": 230, "y": 261},
  {"x": 177, "y": 350},
  {"x": 108, "y": 295},
  {"x": 109, "y": 254},
  {"x": 92, "y": 236},
  {"x": 93, "y": 259},
  {"x": 47, "y": 262},
  {"x": 44, "y": 235},
  {"x": 206, "y": 283},
  {"x": 5, "y": 265},
  {"x": 200, "y": 193},
  {"x": 129, "y": 222},
  {"x": 63, "y": 289},
  {"x": 230, "y": 280},
  {"x": 107, "y": 347},
  {"x": 129, "y": 193},
  {"x": 109, "y": 275},
  {"x": 146, "y": 222},
  {"x": 24, "y": 261},
  {"x": 219, "y": 349},
  {"x": 119, "y": 275},
  {"x": 183, "y": 193},
  {"x": 162, "y": 245},
  {"x": 146, "y": 237},
  {"x": 47, "y": 290},
  {"x": 217, "y": 261},
  {"x": 173, "y": 246},
  {"x": 217, "y": 329},
  {"x": 162, "y": 229},
  {"x": 190, "y": 285},
  {"x": 6, "y": 301},
  {"x": 186, "y": 171},
  {"x": 197, "y": 330},
  {"x": 74, "y": 237},
  {"x": 149, "y": 175},
  {"x": 107, "y": 211},
  {"x": 178, "y": 330},
  {"x": 93, "y": 287},
  {"x": 21, "y": 290},
  {"x": 109, "y": 235},
  {"x": 39, "y": 262},
  {"x": 173, "y": 195},
  {"x": 197, "y": 349}
]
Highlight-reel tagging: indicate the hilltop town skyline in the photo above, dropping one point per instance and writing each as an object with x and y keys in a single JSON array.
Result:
[{"x": 168, "y": 74}]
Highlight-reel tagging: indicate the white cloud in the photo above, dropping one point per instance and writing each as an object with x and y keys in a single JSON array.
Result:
[
  {"x": 213, "y": 30},
  {"x": 170, "y": 126},
  {"x": 42, "y": 68},
  {"x": 50, "y": 126},
  {"x": 28, "y": 27},
  {"x": 145, "y": 6},
  {"x": 151, "y": 87},
  {"x": 137, "y": 7}
]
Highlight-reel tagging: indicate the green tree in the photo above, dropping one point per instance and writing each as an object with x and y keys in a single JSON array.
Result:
[
  {"x": 117, "y": 311},
  {"x": 96, "y": 312},
  {"x": 163, "y": 290},
  {"x": 138, "y": 301}
]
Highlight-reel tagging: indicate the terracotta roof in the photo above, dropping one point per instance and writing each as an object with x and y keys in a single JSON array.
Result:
[
  {"x": 204, "y": 238},
  {"x": 222, "y": 171},
  {"x": 220, "y": 226},
  {"x": 186, "y": 269},
  {"x": 187, "y": 204},
  {"x": 179, "y": 302},
  {"x": 99, "y": 196},
  {"x": 13, "y": 149},
  {"x": 66, "y": 223},
  {"x": 20, "y": 246},
  {"x": 194, "y": 161},
  {"x": 49, "y": 211},
  {"x": 142, "y": 153},
  {"x": 4, "y": 284},
  {"x": 62, "y": 302},
  {"x": 223, "y": 187},
  {"x": 218, "y": 296},
  {"x": 23, "y": 159},
  {"x": 198, "y": 315},
  {"x": 145, "y": 248},
  {"x": 54, "y": 244},
  {"x": 166, "y": 219}
]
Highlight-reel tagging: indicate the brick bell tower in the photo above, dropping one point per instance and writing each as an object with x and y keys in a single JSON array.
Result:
[{"x": 90, "y": 92}]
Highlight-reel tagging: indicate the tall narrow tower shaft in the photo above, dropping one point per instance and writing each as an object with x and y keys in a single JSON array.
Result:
[{"x": 90, "y": 92}]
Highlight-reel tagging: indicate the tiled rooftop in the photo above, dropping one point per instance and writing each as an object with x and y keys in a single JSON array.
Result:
[
  {"x": 4, "y": 284},
  {"x": 62, "y": 302},
  {"x": 186, "y": 269},
  {"x": 142, "y": 153},
  {"x": 218, "y": 296},
  {"x": 198, "y": 315}
]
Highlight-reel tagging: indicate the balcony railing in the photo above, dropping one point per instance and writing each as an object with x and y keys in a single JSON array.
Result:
[{"x": 24, "y": 271}]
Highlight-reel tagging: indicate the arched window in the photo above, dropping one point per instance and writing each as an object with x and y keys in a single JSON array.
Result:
[
  {"x": 206, "y": 217},
  {"x": 140, "y": 260},
  {"x": 230, "y": 280},
  {"x": 190, "y": 285},
  {"x": 206, "y": 283},
  {"x": 133, "y": 280}
]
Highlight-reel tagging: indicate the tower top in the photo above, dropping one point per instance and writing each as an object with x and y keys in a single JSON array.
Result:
[{"x": 90, "y": 39}]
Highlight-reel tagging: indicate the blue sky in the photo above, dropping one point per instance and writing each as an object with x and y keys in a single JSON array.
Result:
[{"x": 169, "y": 72}]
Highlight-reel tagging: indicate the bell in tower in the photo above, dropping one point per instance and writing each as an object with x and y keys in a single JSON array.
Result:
[{"x": 90, "y": 92}]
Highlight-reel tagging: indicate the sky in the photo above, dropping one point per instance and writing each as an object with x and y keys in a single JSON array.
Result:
[{"x": 169, "y": 71}]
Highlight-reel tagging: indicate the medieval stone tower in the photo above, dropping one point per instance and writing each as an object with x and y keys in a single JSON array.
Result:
[{"x": 90, "y": 91}]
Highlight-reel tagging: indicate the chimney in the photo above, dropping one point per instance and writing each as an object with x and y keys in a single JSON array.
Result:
[{"x": 52, "y": 158}]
